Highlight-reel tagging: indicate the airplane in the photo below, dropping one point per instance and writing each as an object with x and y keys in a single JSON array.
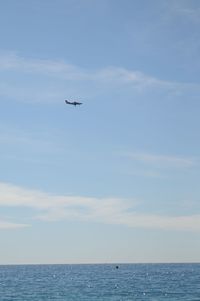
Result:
[{"x": 74, "y": 103}]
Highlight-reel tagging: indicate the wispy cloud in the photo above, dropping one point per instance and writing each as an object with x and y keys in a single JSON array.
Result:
[
  {"x": 66, "y": 71},
  {"x": 8, "y": 225},
  {"x": 74, "y": 76},
  {"x": 184, "y": 8},
  {"x": 146, "y": 173},
  {"x": 162, "y": 161},
  {"x": 11, "y": 61},
  {"x": 88, "y": 209}
]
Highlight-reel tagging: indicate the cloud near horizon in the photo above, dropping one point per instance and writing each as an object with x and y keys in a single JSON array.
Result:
[{"x": 113, "y": 211}]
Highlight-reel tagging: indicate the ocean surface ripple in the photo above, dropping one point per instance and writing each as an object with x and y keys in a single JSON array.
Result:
[{"x": 154, "y": 282}]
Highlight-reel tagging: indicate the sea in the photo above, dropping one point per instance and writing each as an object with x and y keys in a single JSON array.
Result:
[{"x": 100, "y": 282}]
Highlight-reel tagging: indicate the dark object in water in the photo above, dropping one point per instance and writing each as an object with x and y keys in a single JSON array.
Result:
[{"x": 117, "y": 267}]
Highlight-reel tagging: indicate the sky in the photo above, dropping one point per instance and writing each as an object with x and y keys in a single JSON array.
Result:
[{"x": 117, "y": 178}]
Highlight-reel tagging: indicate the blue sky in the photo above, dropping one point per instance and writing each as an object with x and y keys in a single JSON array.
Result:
[{"x": 116, "y": 179}]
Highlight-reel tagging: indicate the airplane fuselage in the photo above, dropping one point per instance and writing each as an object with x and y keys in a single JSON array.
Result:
[{"x": 74, "y": 103}]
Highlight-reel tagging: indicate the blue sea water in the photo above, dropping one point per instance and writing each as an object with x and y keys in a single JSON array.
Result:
[{"x": 154, "y": 282}]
